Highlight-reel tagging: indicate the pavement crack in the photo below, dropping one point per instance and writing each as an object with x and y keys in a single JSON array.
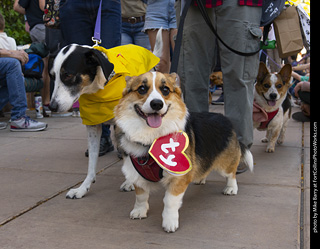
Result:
[{"x": 44, "y": 200}]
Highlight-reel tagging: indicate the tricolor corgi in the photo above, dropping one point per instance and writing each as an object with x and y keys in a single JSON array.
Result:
[
  {"x": 151, "y": 111},
  {"x": 272, "y": 107}
]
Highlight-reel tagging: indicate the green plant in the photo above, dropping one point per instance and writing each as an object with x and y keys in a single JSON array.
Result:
[{"x": 15, "y": 26}]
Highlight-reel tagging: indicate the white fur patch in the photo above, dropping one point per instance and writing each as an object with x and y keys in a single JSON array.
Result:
[
  {"x": 170, "y": 214},
  {"x": 146, "y": 107}
]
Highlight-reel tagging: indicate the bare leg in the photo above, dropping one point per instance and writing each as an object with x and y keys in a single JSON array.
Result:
[{"x": 164, "y": 64}]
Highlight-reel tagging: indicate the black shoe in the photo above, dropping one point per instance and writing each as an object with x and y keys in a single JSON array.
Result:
[
  {"x": 300, "y": 117},
  {"x": 242, "y": 167},
  {"x": 105, "y": 146},
  {"x": 219, "y": 101}
]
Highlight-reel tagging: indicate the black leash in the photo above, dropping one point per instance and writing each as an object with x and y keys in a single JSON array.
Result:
[
  {"x": 177, "y": 46},
  {"x": 176, "y": 53}
]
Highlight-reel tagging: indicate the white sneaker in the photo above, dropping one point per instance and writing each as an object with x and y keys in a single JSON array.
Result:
[
  {"x": 25, "y": 123},
  {"x": 3, "y": 125},
  {"x": 76, "y": 114}
]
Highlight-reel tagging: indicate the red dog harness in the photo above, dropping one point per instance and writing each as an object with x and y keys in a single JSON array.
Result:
[
  {"x": 271, "y": 115},
  {"x": 147, "y": 167},
  {"x": 261, "y": 116}
]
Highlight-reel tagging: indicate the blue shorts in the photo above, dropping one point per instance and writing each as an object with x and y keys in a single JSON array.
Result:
[{"x": 160, "y": 13}]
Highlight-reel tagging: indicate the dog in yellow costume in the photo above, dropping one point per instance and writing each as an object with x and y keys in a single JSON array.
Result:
[{"x": 96, "y": 76}]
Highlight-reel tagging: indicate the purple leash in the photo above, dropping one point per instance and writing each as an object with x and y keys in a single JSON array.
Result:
[{"x": 97, "y": 29}]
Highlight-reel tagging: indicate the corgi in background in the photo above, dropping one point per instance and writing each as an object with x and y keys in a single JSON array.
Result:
[{"x": 272, "y": 106}]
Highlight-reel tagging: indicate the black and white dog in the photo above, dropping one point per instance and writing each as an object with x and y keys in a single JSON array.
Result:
[{"x": 79, "y": 70}]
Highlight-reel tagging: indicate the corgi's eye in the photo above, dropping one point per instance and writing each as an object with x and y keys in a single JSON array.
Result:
[
  {"x": 279, "y": 86},
  {"x": 165, "y": 90},
  {"x": 266, "y": 85},
  {"x": 142, "y": 90}
]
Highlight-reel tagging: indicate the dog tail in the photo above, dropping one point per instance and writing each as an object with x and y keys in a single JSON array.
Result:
[
  {"x": 246, "y": 157},
  {"x": 157, "y": 51}
]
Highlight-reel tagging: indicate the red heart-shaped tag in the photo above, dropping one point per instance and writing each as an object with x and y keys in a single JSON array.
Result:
[{"x": 168, "y": 152}]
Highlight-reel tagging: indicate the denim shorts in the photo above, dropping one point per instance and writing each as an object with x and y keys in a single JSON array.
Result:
[{"x": 160, "y": 13}]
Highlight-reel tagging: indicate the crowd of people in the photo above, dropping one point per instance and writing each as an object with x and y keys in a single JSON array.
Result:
[{"x": 137, "y": 22}]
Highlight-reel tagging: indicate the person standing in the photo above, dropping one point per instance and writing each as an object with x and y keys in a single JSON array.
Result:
[
  {"x": 78, "y": 19},
  {"x": 133, "y": 14},
  {"x": 237, "y": 23},
  {"x": 36, "y": 28}
]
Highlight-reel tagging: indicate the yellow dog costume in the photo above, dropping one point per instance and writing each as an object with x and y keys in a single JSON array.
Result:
[{"x": 128, "y": 60}]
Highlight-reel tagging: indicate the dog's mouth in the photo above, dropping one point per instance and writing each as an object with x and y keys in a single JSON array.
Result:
[
  {"x": 270, "y": 102},
  {"x": 154, "y": 120}
]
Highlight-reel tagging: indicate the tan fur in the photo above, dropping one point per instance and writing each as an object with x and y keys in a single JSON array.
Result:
[
  {"x": 216, "y": 79},
  {"x": 138, "y": 190},
  {"x": 89, "y": 88}
]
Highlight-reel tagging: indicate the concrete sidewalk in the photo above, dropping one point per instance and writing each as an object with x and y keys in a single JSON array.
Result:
[{"x": 271, "y": 209}]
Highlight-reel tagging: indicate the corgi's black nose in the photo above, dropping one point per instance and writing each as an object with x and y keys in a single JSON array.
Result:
[
  {"x": 156, "y": 104},
  {"x": 273, "y": 96}
]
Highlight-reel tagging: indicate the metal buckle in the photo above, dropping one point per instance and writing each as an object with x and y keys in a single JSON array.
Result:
[
  {"x": 96, "y": 41},
  {"x": 143, "y": 160},
  {"x": 132, "y": 20}
]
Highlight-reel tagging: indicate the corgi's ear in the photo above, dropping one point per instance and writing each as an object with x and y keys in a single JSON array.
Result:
[
  {"x": 285, "y": 73},
  {"x": 263, "y": 72},
  {"x": 175, "y": 81}
]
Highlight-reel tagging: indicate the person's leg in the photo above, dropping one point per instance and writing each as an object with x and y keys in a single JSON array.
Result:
[
  {"x": 140, "y": 38},
  {"x": 239, "y": 72},
  {"x": 45, "y": 91},
  {"x": 164, "y": 64},
  {"x": 126, "y": 34},
  {"x": 12, "y": 87},
  {"x": 196, "y": 60},
  {"x": 38, "y": 34},
  {"x": 110, "y": 23}
]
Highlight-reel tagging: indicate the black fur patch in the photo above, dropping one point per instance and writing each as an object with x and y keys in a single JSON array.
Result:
[
  {"x": 286, "y": 104},
  {"x": 212, "y": 133}
]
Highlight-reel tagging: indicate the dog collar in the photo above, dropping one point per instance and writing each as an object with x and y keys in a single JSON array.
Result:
[{"x": 113, "y": 73}]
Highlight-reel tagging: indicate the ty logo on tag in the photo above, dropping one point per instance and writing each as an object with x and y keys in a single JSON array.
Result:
[{"x": 168, "y": 152}]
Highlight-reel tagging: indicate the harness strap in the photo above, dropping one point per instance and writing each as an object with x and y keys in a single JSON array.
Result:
[
  {"x": 147, "y": 167},
  {"x": 271, "y": 115}
]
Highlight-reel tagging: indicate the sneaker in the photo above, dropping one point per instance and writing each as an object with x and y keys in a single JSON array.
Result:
[
  {"x": 76, "y": 113},
  {"x": 241, "y": 168},
  {"x": 25, "y": 123},
  {"x": 219, "y": 101},
  {"x": 300, "y": 117},
  {"x": 3, "y": 125}
]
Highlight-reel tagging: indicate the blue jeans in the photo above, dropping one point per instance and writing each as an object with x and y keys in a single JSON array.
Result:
[
  {"x": 12, "y": 88},
  {"x": 78, "y": 19},
  {"x": 132, "y": 34},
  {"x": 160, "y": 13}
]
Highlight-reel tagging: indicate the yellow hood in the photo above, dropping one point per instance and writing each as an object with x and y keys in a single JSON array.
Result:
[{"x": 128, "y": 60}]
